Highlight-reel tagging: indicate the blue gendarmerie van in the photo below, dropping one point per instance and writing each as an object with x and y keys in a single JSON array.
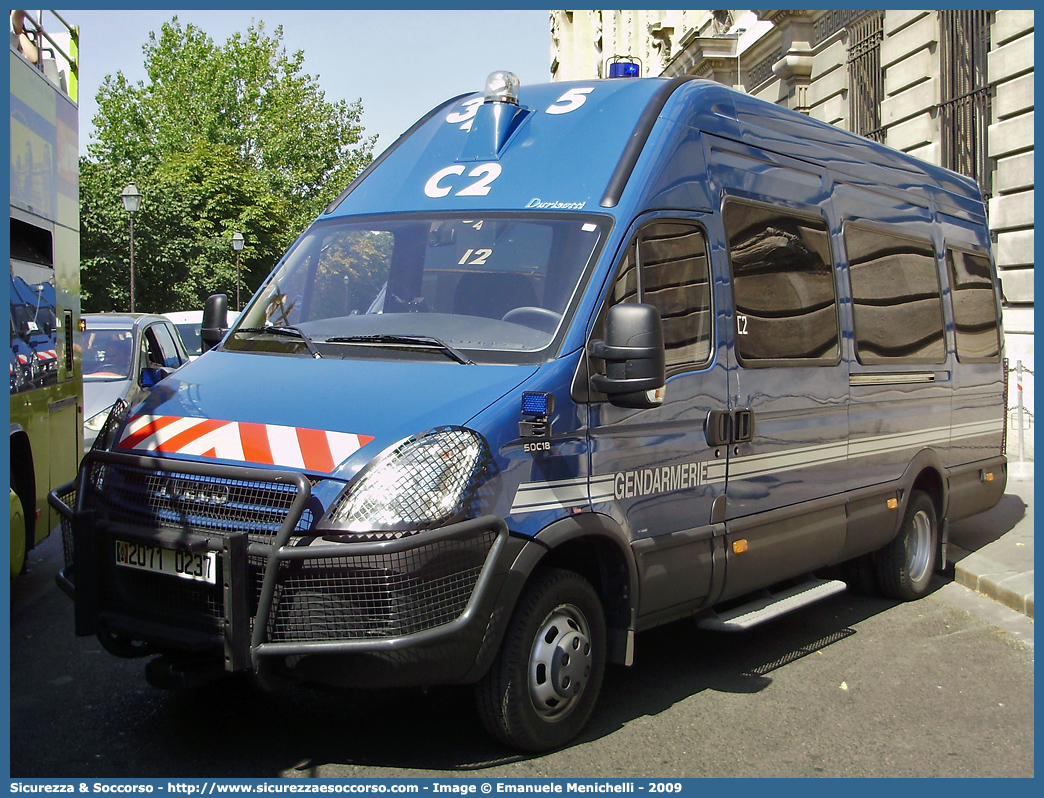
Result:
[{"x": 565, "y": 363}]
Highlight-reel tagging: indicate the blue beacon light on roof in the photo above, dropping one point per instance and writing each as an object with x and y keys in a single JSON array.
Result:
[{"x": 625, "y": 66}]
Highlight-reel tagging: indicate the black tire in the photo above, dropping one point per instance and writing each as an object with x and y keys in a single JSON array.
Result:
[
  {"x": 544, "y": 683},
  {"x": 122, "y": 646},
  {"x": 905, "y": 566},
  {"x": 19, "y": 536},
  {"x": 860, "y": 575}
]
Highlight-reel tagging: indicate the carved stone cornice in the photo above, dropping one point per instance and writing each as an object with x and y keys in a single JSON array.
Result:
[
  {"x": 793, "y": 65},
  {"x": 711, "y": 57},
  {"x": 781, "y": 16}
]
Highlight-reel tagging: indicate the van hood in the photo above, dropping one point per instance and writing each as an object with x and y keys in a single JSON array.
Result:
[{"x": 323, "y": 417}]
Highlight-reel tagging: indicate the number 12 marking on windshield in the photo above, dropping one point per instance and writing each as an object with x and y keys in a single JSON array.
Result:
[
  {"x": 486, "y": 172},
  {"x": 479, "y": 259}
]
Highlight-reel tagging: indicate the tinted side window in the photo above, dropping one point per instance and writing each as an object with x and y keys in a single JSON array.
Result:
[
  {"x": 671, "y": 258},
  {"x": 974, "y": 306},
  {"x": 895, "y": 292},
  {"x": 783, "y": 286}
]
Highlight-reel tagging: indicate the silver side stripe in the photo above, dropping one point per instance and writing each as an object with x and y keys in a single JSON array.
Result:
[
  {"x": 790, "y": 460},
  {"x": 566, "y": 493},
  {"x": 532, "y": 497}
]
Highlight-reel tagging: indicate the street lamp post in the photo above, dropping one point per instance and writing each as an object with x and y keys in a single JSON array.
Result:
[
  {"x": 131, "y": 202},
  {"x": 237, "y": 245}
]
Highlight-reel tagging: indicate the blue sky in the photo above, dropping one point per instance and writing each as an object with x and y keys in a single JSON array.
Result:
[{"x": 399, "y": 63}]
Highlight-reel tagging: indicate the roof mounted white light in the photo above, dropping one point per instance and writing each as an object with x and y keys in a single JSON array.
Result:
[{"x": 502, "y": 87}]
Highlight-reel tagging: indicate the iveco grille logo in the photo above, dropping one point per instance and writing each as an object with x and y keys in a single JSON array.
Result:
[{"x": 197, "y": 492}]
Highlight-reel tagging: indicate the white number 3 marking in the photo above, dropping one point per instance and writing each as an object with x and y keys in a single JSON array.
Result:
[
  {"x": 470, "y": 109},
  {"x": 487, "y": 173}
]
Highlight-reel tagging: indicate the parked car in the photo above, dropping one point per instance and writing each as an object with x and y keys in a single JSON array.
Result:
[{"x": 124, "y": 354}]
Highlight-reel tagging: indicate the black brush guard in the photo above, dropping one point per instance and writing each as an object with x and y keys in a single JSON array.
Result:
[{"x": 281, "y": 592}]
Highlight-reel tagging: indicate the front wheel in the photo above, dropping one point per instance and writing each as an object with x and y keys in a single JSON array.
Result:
[
  {"x": 544, "y": 682},
  {"x": 19, "y": 536},
  {"x": 904, "y": 566}
]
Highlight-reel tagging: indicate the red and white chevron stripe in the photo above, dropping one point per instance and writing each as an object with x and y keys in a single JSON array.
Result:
[
  {"x": 268, "y": 444},
  {"x": 47, "y": 354}
]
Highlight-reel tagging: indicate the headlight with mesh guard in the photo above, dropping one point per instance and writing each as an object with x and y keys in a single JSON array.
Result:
[{"x": 425, "y": 481}]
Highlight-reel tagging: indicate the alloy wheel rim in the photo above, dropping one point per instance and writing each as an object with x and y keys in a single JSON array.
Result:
[{"x": 919, "y": 548}]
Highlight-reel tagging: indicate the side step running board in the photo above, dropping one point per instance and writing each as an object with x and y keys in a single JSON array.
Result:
[{"x": 772, "y": 606}]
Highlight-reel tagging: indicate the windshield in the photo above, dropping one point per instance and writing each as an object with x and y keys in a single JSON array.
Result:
[
  {"x": 107, "y": 354},
  {"x": 497, "y": 288}
]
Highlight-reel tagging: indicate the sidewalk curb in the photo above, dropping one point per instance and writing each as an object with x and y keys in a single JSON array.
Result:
[
  {"x": 1011, "y": 588},
  {"x": 1000, "y": 568}
]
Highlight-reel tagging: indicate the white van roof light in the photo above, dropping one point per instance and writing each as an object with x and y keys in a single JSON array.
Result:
[{"x": 502, "y": 87}]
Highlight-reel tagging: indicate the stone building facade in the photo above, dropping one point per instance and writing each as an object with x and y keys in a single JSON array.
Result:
[{"x": 952, "y": 87}]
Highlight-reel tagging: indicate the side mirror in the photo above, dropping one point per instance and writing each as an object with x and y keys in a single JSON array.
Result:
[
  {"x": 215, "y": 321},
  {"x": 152, "y": 375},
  {"x": 634, "y": 355}
]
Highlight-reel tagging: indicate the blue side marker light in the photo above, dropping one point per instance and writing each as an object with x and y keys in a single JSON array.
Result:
[
  {"x": 538, "y": 404},
  {"x": 537, "y": 407}
]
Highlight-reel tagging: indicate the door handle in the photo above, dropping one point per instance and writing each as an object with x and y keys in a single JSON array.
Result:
[
  {"x": 742, "y": 425},
  {"x": 718, "y": 427},
  {"x": 723, "y": 426}
]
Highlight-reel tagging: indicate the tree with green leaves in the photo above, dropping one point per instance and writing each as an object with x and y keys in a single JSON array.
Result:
[{"x": 218, "y": 139}]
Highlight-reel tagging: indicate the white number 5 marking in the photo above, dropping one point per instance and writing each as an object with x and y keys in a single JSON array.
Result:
[
  {"x": 573, "y": 99},
  {"x": 487, "y": 173}
]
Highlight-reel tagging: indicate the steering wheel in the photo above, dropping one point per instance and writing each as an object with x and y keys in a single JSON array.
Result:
[{"x": 538, "y": 318}]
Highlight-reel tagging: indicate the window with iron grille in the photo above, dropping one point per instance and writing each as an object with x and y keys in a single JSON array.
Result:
[
  {"x": 964, "y": 38},
  {"x": 865, "y": 76}
]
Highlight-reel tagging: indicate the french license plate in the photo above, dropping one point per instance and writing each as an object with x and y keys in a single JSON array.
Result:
[{"x": 199, "y": 566}]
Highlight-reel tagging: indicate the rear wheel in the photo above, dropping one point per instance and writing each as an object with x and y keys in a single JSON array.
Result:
[
  {"x": 544, "y": 682},
  {"x": 904, "y": 566},
  {"x": 860, "y": 575}
]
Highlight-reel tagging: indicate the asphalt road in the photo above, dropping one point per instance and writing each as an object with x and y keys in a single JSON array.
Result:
[{"x": 853, "y": 686}]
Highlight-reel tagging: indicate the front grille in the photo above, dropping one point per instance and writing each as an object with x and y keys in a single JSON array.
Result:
[
  {"x": 165, "y": 598},
  {"x": 190, "y": 503},
  {"x": 378, "y": 596}
]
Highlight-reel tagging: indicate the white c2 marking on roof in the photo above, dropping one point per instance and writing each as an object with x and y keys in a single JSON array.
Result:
[{"x": 432, "y": 187}]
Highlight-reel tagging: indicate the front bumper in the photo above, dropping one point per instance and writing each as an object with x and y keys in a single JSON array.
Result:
[{"x": 285, "y": 602}]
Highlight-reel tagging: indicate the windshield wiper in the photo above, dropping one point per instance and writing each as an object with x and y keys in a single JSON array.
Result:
[
  {"x": 424, "y": 341},
  {"x": 278, "y": 329}
]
